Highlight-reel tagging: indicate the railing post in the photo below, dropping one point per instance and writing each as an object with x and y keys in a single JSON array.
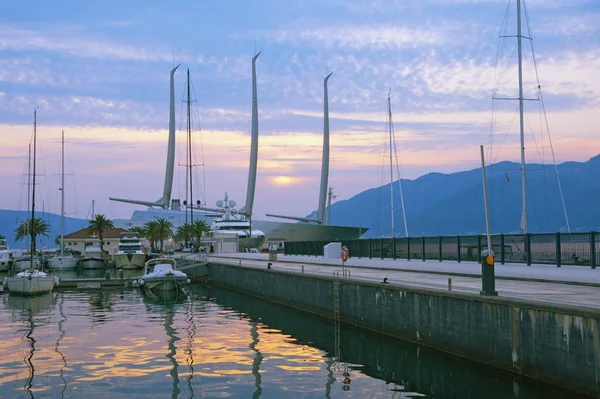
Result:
[
  {"x": 370, "y": 248},
  {"x": 558, "y": 252},
  {"x": 458, "y": 249},
  {"x": 502, "y": 250},
  {"x": 423, "y": 247},
  {"x": 528, "y": 245},
  {"x": 407, "y": 248},
  {"x": 478, "y": 248},
  {"x": 381, "y": 247},
  {"x": 359, "y": 248},
  {"x": 394, "y": 248},
  {"x": 593, "y": 249},
  {"x": 440, "y": 246}
]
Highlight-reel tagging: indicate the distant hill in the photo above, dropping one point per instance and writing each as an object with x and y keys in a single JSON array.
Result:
[
  {"x": 9, "y": 220},
  {"x": 452, "y": 204}
]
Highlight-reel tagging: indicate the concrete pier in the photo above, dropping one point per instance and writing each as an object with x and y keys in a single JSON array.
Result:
[{"x": 546, "y": 330}]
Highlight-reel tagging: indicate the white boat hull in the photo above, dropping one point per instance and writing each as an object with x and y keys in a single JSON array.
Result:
[
  {"x": 93, "y": 263},
  {"x": 28, "y": 284},
  {"x": 62, "y": 263},
  {"x": 130, "y": 261}
]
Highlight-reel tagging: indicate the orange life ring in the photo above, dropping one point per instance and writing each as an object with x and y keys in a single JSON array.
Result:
[{"x": 344, "y": 253}]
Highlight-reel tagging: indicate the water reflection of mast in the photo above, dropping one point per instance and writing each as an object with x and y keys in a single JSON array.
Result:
[
  {"x": 188, "y": 350},
  {"x": 172, "y": 350},
  {"x": 62, "y": 334},
  {"x": 28, "y": 383},
  {"x": 257, "y": 360}
]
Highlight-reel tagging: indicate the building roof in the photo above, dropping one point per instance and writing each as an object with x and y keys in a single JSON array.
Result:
[{"x": 84, "y": 233}]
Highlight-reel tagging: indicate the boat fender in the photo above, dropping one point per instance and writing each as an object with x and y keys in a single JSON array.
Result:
[
  {"x": 188, "y": 281},
  {"x": 134, "y": 283},
  {"x": 56, "y": 281},
  {"x": 141, "y": 282}
]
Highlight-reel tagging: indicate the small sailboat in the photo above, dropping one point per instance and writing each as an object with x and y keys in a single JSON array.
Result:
[
  {"x": 161, "y": 274},
  {"x": 62, "y": 261},
  {"x": 32, "y": 281}
]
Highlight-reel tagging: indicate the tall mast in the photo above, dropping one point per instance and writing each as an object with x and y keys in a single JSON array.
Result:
[
  {"x": 29, "y": 184},
  {"x": 247, "y": 209},
  {"x": 325, "y": 160},
  {"x": 391, "y": 163},
  {"x": 523, "y": 181},
  {"x": 62, "y": 196},
  {"x": 189, "y": 123},
  {"x": 166, "y": 200},
  {"x": 33, "y": 192}
]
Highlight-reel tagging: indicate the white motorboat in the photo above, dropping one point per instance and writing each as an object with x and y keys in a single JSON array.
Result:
[
  {"x": 92, "y": 258},
  {"x": 32, "y": 281},
  {"x": 5, "y": 258},
  {"x": 161, "y": 274},
  {"x": 130, "y": 254},
  {"x": 62, "y": 261}
]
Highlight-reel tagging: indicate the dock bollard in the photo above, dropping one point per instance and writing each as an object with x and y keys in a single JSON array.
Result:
[
  {"x": 488, "y": 277},
  {"x": 302, "y": 268},
  {"x": 449, "y": 284}
]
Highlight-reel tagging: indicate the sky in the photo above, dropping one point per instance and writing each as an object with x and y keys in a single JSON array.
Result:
[{"x": 100, "y": 72}]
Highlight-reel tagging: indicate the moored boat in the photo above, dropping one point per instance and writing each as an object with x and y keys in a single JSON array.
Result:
[
  {"x": 92, "y": 258},
  {"x": 130, "y": 254},
  {"x": 5, "y": 258},
  {"x": 162, "y": 275}
]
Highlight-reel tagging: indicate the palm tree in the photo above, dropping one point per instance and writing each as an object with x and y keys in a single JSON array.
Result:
[
  {"x": 40, "y": 228},
  {"x": 2, "y": 237},
  {"x": 184, "y": 232},
  {"x": 150, "y": 229},
  {"x": 99, "y": 225},
  {"x": 200, "y": 228},
  {"x": 164, "y": 230}
]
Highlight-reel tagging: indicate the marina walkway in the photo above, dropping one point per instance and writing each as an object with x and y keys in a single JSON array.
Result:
[{"x": 568, "y": 285}]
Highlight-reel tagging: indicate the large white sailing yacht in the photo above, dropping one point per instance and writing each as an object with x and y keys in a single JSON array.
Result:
[{"x": 305, "y": 229}]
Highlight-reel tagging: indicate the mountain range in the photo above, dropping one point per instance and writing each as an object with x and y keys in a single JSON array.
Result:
[
  {"x": 443, "y": 204},
  {"x": 452, "y": 204}
]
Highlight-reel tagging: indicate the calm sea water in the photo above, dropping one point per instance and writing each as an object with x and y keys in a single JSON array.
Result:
[{"x": 214, "y": 343}]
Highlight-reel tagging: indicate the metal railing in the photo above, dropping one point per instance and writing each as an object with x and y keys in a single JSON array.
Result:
[{"x": 578, "y": 249}]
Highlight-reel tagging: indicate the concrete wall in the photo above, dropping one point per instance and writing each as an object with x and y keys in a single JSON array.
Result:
[{"x": 559, "y": 345}]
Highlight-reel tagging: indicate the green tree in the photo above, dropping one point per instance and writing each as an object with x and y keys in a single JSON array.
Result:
[
  {"x": 99, "y": 225},
  {"x": 200, "y": 228},
  {"x": 184, "y": 232},
  {"x": 150, "y": 231},
  {"x": 164, "y": 231},
  {"x": 2, "y": 237},
  {"x": 40, "y": 228}
]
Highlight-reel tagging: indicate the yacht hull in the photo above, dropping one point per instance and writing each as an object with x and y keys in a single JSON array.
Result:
[
  {"x": 284, "y": 231},
  {"x": 130, "y": 261},
  {"x": 92, "y": 263},
  {"x": 252, "y": 242},
  {"x": 62, "y": 263}
]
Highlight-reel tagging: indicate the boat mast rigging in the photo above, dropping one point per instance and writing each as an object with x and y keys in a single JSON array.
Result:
[{"x": 521, "y": 122}]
